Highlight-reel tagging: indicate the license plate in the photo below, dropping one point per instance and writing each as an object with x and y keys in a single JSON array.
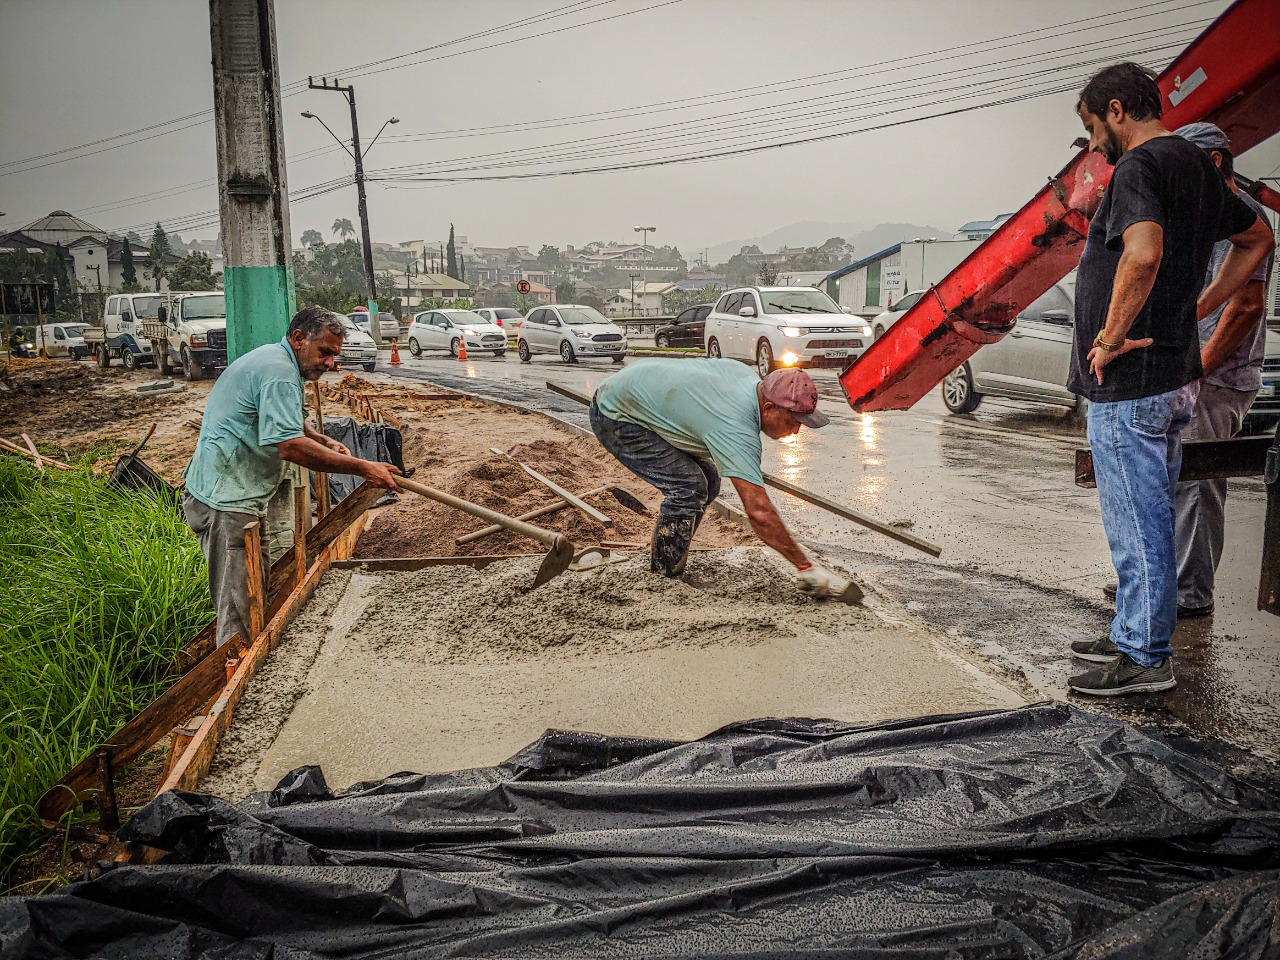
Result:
[
  {"x": 839, "y": 353},
  {"x": 1267, "y": 390}
]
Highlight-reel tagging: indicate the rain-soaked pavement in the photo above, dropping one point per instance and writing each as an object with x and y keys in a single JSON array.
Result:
[{"x": 1023, "y": 552}]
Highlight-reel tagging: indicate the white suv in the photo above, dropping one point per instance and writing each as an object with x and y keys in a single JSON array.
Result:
[
  {"x": 572, "y": 332},
  {"x": 776, "y": 327}
]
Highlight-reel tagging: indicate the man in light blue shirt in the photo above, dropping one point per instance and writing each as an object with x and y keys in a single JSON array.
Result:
[
  {"x": 683, "y": 424},
  {"x": 253, "y": 422}
]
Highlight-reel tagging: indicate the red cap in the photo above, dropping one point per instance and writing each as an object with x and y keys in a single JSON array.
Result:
[{"x": 793, "y": 391}]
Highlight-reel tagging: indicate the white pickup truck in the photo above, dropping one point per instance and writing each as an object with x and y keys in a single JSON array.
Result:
[{"x": 190, "y": 333}]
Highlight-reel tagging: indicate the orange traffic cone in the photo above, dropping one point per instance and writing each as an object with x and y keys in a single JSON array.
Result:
[
  {"x": 395, "y": 352},
  {"x": 462, "y": 347}
]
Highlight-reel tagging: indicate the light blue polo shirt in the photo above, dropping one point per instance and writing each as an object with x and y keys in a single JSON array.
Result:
[
  {"x": 704, "y": 407},
  {"x": 256, "y": 403}
]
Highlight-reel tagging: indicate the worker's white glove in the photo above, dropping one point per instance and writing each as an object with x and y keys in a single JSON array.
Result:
[{"x": 821, "y": 583}]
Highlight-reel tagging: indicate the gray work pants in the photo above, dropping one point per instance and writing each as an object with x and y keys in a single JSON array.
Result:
[
  {"x": 221, "y": 535},
  {"x": 1200, "y": 508}
]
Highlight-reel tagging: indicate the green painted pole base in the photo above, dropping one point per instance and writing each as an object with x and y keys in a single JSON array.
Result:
[{"x": 260, "y": 304}]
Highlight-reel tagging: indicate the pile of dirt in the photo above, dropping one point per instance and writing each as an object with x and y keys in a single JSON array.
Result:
[
  {"x": 457, "y": 459},
  {"x": 738, "y": 597}
]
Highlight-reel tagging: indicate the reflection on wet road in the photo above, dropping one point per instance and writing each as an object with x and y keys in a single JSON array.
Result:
[{"x": 1024, "y": 556}]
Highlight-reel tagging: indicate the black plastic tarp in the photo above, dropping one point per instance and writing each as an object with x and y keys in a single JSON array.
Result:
[
  {"x": 1043, "y": 831},
  {"x": 368, "y": 441}
]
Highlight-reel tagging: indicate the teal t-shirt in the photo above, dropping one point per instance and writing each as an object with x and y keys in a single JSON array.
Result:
[
  {"x": 256, "y": 403},
  {"x": 704, "y": 407}
]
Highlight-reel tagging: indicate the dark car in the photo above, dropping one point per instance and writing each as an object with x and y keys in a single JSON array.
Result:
[{"x": 685, "y": 330}]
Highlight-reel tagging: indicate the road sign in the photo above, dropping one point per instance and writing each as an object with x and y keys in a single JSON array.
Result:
[{"x": 523, "y": 287}]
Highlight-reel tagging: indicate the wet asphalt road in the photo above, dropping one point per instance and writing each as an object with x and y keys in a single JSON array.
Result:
[{"x": 1023, "y": 552}]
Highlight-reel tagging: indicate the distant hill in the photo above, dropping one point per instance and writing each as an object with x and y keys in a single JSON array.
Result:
[{"x": 812, "y": 233}]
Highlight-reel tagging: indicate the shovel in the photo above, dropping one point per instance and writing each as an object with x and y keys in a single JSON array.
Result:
[{"x": 558, "y": 557}]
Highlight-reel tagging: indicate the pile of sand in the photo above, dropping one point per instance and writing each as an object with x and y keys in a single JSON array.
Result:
[
  {"x": 460, "y": 615},
  {"x": 455, "y": 456}
]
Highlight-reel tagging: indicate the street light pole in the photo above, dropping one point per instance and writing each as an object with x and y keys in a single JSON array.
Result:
[
  {"x": 357, "y": 155},
  {"x": 644, "y": 261}
]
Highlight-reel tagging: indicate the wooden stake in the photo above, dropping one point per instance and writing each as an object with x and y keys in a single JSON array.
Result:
[
  {"x": 108, "y": 811},
  {"x": 253, "y": 574},
  {"x": 300, "y": 533},
  {"x": 322, "y": 479},
  {"x": 35, "y": 454},
  {"x": 24, "y": 452}
]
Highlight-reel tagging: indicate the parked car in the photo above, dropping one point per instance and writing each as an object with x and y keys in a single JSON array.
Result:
[
  {"x": 776, "y": 327},
  {"x": 497, "y": 315},
  {"x": 1033, "y": 361},
  {"x": 445, "y": 329},
  {"x": 358, "y": 348},
  {"x": 571, "y": 331},
  {"x": 62, "y": 340},
  {"x": 685, "y": 330},
  {"x": 388, "y": 325},
  {"x": 883, "y": 321}
]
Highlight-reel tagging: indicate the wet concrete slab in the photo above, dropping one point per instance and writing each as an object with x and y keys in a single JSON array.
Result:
[{"x": 1024, "y": 555}]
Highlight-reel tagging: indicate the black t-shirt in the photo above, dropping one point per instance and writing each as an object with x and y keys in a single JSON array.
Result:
[{"x": 1172, "y": 182}]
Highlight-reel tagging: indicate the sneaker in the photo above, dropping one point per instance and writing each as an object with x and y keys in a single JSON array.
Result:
[
  {"x": 1190, "y": 613},
  {"x": 1109, "y": 591},
  {"x": 1124, "y": 675},
  {"x": 1095, "y": 651}
]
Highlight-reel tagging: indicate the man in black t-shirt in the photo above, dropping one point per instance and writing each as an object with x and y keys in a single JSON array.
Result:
[{"x": 1137, "y": 353}]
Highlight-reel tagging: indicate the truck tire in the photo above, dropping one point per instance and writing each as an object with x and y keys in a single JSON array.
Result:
[
  {"x": 162, "y": 359},
  {"x": 191, "y": 368},
  {"x": 102, "y": 355},
  {"x": 128, "y": 359}
]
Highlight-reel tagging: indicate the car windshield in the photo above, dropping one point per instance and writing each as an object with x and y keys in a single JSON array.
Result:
[
  {"x": 146, "y": 307},
  {"x": 350, "y": 326},
  {"x": 580, "y": 316},
  {"x": 506, "y": 313},
  {"x": 75, "y": 330},
  {"x": 465, "y": 318},
  {"x": 797, "y": 301},
  {"x": 204, "y": 308}
]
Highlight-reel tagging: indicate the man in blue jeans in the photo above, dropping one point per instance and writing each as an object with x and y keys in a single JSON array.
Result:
[
  {"x": 1136, "y": 355},
  {"x": 683, "y": 424}
]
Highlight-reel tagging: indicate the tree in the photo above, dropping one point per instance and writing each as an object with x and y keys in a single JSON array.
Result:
[
  {"x": 452, "y": 255},
  {"x": 312, "y": 238},
  {"x": 343, "y": 229},
  {"x": 737, "y": 269},
  {"x": 128, "y": 273},
  {"x": 156, "y": 264},
  {"x": 462, "y": 269},
  {"x": 192, "y": 272},
  {"x": 161, "y": 239},
  {"x": 768, "y": 275},
  {"x": 591, "y": 300},
  {"x": 749, "y": 249},
  {"x": 565, "y": 291},
  {"x": 550, "y": 258},
  {"x": 679, "y": 300},
  {"x": 495, "y": 298}
]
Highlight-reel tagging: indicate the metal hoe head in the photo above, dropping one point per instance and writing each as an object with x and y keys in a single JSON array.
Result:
[{"x": 555, "y": 562}]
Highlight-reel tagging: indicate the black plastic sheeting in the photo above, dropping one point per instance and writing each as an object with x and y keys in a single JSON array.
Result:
[
  {"x": 368, "y": 441},
  {"x": 1039, "y": 832}
]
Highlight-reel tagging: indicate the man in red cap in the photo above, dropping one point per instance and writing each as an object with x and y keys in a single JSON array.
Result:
[{"x": 683, "y": 424}]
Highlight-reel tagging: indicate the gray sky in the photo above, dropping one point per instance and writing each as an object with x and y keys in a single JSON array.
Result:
[{"x": 72, "y": 71}]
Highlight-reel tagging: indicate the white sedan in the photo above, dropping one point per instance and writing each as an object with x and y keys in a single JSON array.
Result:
[{"x": 445, "y": 329}]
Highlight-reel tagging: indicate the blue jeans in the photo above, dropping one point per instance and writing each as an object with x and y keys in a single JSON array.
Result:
[
  {"x": 1137, "y": 455},
  {"x": 688, "y": 483}
]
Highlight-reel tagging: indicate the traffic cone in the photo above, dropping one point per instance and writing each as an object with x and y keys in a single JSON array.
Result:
[
  {"x": 395, "y": 352},
  {"x": 462, "y": 347}
]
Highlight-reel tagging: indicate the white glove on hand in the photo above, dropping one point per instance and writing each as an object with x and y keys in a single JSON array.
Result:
[{"x": 820, "y": 583}]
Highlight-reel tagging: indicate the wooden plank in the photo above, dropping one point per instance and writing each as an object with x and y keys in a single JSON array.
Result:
[
  {"x": 558, "y": 490},
  {"x": 542, "y": 511},
  {"x": 194, "y": 763},
  {"x": 1201, "y": 460},
  {"x": 571, "y": 392},
  {"x": 23, "y": 451},
  {"x": 34, "y": 452},
  {"x": 168, "y": 710},
  {"x": 299, "y": 535},
  {"x": 253, "y": 575}
]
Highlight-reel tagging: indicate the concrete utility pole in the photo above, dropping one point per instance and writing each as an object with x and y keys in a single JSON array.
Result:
[
  {"x": 357, "y": 155},
  {"x": 252, "y": 190}
]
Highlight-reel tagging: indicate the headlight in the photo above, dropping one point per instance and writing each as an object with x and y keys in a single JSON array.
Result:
[
  {"x": 866, "y": 331},
  {"x": 788, "y": 358},
  {"x": 199, "y": 338},
  {"x": 790, "y": 331},
  {"x": 469, "y": 331},
  {"x": 584, "y": 334}
]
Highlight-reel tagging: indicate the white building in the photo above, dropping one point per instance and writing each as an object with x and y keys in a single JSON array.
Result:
[{"x": 872, "y": 284}]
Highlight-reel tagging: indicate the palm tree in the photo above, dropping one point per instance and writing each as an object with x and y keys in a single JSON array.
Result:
[
  {"x": 343, "y": 228},
  {"x": 312, "y": 238}
]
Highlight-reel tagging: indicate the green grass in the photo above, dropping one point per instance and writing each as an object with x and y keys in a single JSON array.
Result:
[{"x": 101, "y": 590}]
